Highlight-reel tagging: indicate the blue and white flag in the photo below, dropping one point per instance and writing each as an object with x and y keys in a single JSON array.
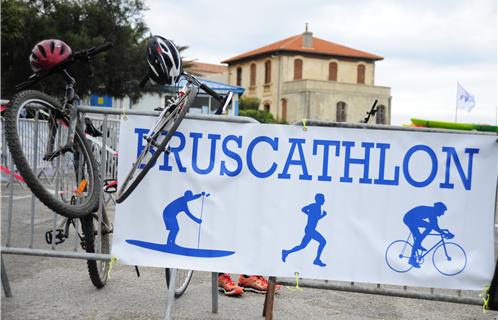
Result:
[{"x": 465, "y": 100}]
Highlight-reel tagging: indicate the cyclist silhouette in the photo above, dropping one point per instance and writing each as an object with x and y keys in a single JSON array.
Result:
[
  {"x": 172, "y": 210},
  {"x": 422, "y": 217},
  {"x": 314, "y": 212}
]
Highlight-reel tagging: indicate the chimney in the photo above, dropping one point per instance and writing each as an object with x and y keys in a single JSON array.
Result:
[{"x": 307, "y": 38}]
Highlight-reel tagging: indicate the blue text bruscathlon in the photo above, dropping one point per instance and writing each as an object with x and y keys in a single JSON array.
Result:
[{"x": 241, "y": 152}]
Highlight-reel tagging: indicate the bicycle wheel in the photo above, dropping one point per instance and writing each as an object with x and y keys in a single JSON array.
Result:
[
  {"x": 183, "y": 278},
  {"x": 449, "y": 258},
  {"x": 97, "y": 269},
  {"x": 151, "y": 153},
  {"x": 28, "y": 130},
  {"x": 397, "y": 256}
]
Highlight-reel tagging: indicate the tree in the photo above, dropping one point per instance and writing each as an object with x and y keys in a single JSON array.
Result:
[
  {"x": 260, "y": 115},
  {"x": 249, "y": 107},
  {"x": 246, "y": 103},
  {"x": 81, "y": 24}
]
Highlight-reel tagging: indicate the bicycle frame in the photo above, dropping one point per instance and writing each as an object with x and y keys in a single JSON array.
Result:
[
  {"x": 68, "y": 109},
  {"x": 162, "y": 120},
  {"x": 440, "y": 242}
]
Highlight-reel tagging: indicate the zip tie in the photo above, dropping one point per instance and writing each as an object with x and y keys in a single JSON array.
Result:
[
  {"x": 113, "y": 261},
  {"x": 485, "y": 299},
  {"x": 297, "y": 283},
  {"x": 304, "y": 125},
  {"x": 124, "y": 116}
]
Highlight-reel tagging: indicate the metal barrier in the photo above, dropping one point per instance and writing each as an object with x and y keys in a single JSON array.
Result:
[
  {"x": 446, "y": 295},
  {"x": 105, "y": 151},
  {"x": 28, "y": 243},
  {"x": 109, "y": 142}
]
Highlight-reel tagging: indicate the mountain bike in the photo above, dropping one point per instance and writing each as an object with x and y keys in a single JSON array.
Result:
[
  {"x": 159, "y": 136},
  {"x": 35, "y": 120},
  {"x": 448, "y": 258}
]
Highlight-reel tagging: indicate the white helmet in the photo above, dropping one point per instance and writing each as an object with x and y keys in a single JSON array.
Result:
[{"x": 165, "y": 63}]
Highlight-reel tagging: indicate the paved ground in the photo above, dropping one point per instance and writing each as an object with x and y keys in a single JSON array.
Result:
[{"x": 52, "y": 288}]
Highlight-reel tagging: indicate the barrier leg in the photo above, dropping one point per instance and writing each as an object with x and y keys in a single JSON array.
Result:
[
  {"x": 214, "y": 292},
  {"x": 269, "y": 298},
  {"x": 5, "y": 281},
  {"x": 171, "y": 293}
]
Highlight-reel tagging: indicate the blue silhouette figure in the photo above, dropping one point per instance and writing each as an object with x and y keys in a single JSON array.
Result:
[
  {"x": 422, "y": 217},
  {"x": 315, "y": 213},
  {"x": 173, "y": 209},
  {"x": 170, "y": 214}
]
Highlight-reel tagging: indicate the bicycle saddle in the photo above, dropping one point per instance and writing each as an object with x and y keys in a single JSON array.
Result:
[{"x": 91, "y": 130}]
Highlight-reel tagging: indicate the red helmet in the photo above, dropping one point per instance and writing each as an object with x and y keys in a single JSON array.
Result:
[{"x": 47, "y": 54}]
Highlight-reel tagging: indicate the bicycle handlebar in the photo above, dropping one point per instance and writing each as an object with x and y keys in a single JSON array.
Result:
[
  {"x": 211, "y": 92},
  {"x": 82, "y": 55},
  {"x": 223, "y": 100}
]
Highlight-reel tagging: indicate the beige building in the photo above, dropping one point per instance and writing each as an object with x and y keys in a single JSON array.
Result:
[
  {"x": 209, "y": 71},
  {"x": 307, "y": 77}
]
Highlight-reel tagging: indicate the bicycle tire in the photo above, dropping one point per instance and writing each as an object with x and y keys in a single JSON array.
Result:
[
  {"x": 128, "y": 187},
  {"x": 183, "y": 278},
  {"x": 40, "y": 103},
  {"x": 456, "y": 253},
  {"x": 397, "y": 256},
  {"x": 97, "y": 269}
]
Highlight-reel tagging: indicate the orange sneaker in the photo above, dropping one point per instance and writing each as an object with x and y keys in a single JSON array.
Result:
[
  {"x": 226, "y": 285},
  {"x": 256, "y": 284}
]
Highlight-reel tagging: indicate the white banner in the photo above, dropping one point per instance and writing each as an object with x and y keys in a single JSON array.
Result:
[{"x": 328, "y": 203}]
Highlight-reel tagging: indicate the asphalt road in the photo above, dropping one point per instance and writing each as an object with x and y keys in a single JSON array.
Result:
[{"x": 55, "y": 288}]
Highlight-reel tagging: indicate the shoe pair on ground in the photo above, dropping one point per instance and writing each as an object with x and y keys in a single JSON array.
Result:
[{"x": 256, "y": 284}]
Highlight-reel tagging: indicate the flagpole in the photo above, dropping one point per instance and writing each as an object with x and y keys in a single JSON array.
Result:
[{"x": 456, "y": 104}]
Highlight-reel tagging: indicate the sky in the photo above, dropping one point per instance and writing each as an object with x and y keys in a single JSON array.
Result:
[{"x": 428, "y": 46}]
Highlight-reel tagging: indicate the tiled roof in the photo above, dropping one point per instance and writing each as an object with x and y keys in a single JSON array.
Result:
[
  {"x": 207, "y": 68},
  {"x": 319, "y": 47}
]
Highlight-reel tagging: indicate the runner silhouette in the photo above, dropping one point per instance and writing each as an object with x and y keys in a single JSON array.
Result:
[
  {"x": 422, "y": 217},
  {"x": 315, "y": 213},
  {"x": 172, "y": 210}
]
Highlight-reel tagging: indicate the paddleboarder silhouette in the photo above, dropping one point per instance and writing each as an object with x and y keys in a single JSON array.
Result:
[
  {"x": 173, "y": 209},
  {"x": 170, "y": 218},
  {"x": 315, "y": 213}
]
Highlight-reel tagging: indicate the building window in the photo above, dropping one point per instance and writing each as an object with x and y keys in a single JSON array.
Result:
[
  {"x": 267, "y": 107},
  {"x": 361, "y": 74},
  {"x": 380, "y": 116},
  {"x": 253, "y": 74},
  {"x": 298, "y": 69},
  {"x": 333, "y": 71},
  {"x": 239, "y": 76},
  {"x": 340, "y": 115},
  {"x": 268, "y": 71},
  {"x": 284, "y": 110}
]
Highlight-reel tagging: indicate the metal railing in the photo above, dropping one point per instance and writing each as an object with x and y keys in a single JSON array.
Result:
[
  {"x": 444, "y": 295},
  {"x": 105, "y": 151},
  {"x": 102, "y": 118}
]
